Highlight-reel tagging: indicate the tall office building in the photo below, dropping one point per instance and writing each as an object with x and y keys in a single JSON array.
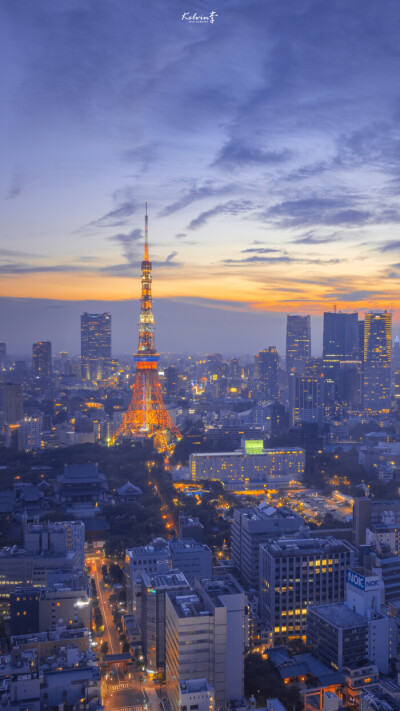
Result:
[
  {"x": 153, "y": 593},
  {"x": 205, "y": 639},
  {"x": 305, "y": 399},
  {"x": 171, "y": 382},
  {"x": 12, "y": 403},
  {"x": 377, "y": 361},
  {"x": 41, "y": 359},
  {"x": 267, "y": 362},
  {"x": 253, "y": 526},
  {"x": 296, "y": 573},
  {"x": 298, "y": 343},
  {"x": 340, "y": 336},
  {"x": 3, "y": 353},
  {"x": 96, "y": 346},
  {"x": 341, "y": 356}
]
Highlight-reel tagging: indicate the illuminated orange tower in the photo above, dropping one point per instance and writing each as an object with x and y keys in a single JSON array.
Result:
[{"x": 147, "y": 415}]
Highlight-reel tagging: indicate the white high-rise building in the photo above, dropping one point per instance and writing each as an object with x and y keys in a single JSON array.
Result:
[{"x": 205, "y": 638}]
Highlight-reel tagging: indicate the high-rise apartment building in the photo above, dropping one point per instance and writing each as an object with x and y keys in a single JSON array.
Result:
[
  {"x": 298, "y": 343},
  {"x": 267, "y": 363},
  {"x": 41, "y": 359},
  {"x": 377, "y": 361},
  {"x": 205, "y": 639},
  {"x": 12, "y": 403},
  {"x": 296, "y": 573},
  {"x": 96, "y": 346},
  {"x": 305, "y": 399}
]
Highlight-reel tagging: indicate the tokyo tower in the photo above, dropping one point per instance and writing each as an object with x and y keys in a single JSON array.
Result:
[{"x": 147, "y": 415}]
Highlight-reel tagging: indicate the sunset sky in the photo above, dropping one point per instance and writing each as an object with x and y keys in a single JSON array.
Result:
[{"x": 267, "y": 144}]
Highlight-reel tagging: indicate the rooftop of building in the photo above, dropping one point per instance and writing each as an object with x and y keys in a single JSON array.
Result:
[
  {"x": 173, "y": 578},
  {"x": 177, "y": 545},
  {"x": 286, "y": 547},
  {"x": 243, "y": 453},
  {"x": 219, "y": 586},
  {"x": 82, "y": 474},
  {"x": 158, "y": 544},
  {"x": 338, "y": 615},
  {"x": 62, "y": 633},
  {"x": 185, "y": 520},
  {"x": 194, "y": 686},
  {"x": 15, "y": 552},
  {"x": 265, "y": 512},
  {"x": 188, "y": 605}
]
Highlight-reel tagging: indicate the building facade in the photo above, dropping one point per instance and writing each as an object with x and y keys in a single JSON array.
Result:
[
  {"x": 297, "y": 573},
  {"x": 41, "y": 359},
  {"x": 272, "y": 466},
  {"x": 298, "y": 343},
  {"x": 253, "y": 526},
  {"x": 305, "y": 399},
  {"x": 96, "y": 361},
  {"x": 377, "y": 361}
]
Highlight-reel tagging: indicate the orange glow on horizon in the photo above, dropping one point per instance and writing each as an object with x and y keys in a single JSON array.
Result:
[{"x": 260, "y": 290}]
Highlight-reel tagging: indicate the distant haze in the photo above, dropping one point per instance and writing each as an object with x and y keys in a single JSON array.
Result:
[{"x": 181, "y": 326}]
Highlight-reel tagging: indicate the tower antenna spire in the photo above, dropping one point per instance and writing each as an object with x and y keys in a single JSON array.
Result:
[
  {"x": 147, "y": 415},
  {"x": 146, "y": 236}
]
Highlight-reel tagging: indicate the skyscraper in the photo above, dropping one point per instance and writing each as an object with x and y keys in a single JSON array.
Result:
[
  {"x": 341, "y": 355},
  {"x": 3, "y": 353},
  {"x": 12, "y": 403},
  {"x": 340, "y": 338},
  {"x": 95, "y": 346},
  {"x": 305, "y": 399},
  {"x": 171, "y": 382},
  {"x": 267, "y": 362},
  {"x": 41, "y": 359},
  {"x": 298, "y": 343},
  {"x": 377, "y": 360}
]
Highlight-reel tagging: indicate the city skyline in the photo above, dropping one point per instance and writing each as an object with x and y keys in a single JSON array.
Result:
[{"x": 271, "y": 180}]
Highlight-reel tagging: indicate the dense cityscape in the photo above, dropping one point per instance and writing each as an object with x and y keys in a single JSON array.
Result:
[
  {"x": 200, "y": 496},
  {"x": 202, "y": 532}
]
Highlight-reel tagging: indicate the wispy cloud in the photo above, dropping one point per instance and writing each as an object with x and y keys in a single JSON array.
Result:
[
  {"x": 129, "y": 244},
  {"x": 196, "y": 193},
  {"x": 236, "y": 153},
  {"x": 232, "y": 208}
]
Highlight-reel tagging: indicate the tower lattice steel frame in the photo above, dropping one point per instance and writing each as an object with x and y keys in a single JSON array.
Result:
[{"x": 147, "y": 415}]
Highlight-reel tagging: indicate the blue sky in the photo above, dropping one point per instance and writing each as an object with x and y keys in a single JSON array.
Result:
[{"x": 267, "y": 144}]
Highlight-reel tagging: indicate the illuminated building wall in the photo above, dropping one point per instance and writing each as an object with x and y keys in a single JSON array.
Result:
[
  {"x": 298, "y": 343},
  {"x": 41, "y": 359},
  {"x": 96, "y": 346},
  {"x": 377, "y": 361},
  {"x": 297, "y": 573},
  {"x": 273, "y": 466}
]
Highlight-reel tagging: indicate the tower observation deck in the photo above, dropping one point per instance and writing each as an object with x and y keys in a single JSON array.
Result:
[{"x": 147, "y": 415}]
